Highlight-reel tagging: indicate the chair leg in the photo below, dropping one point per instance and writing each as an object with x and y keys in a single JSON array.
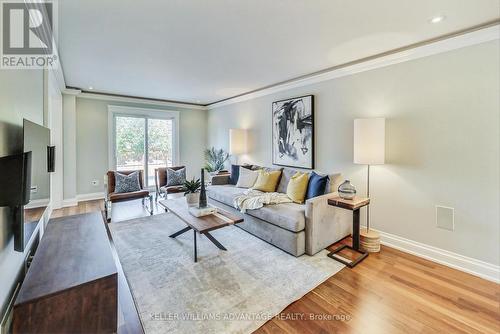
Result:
[
  {"x": 107, "y": 210},
  {"x": 151, "y": 204}
]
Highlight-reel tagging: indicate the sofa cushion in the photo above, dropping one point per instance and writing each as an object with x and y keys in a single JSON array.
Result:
[
  {"x": 289, "y": 216},
  {"x": 297, "y": 187},
  {"x": 224, "y": 193},
  {"x": 286, "y": 175},
  {"x": 272, "y": 169},
  {"x": 267, "y": 181},
  {"x": 317, "y": 185},
  {"x": 235, "y": 173},
  {"x": 247, "y": 178},
  {"x": 335, "y": 181}
]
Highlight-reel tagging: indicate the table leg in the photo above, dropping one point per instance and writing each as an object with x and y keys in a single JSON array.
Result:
[
  {"x": 180, "y": 232},
  {"x": 195, "y": 251},
  {"x": 355, "y": 244},
  {"x": 215, "y": 241},
  {"x": 355, "y": 229}
]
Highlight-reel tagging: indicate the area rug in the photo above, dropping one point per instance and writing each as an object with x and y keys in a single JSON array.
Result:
[{"x": 233, "y": 291}]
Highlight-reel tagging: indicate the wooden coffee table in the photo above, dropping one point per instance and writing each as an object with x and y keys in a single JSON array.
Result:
[{"x": 201, "y": 225}]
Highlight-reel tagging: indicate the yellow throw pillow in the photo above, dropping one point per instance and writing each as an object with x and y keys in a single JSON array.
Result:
[
  {"x": 297, "y": 187},
  {"x": 267, "y": 181}
]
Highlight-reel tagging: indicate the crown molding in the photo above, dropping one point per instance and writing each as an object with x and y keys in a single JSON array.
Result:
[
  {"x": 454, "y": 41},
  {"x": 71, "y": 91},
  {"x": 134, "y": 99}
]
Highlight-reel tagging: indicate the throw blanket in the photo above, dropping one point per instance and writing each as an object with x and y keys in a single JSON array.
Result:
[{"x": 254, "y": 199}]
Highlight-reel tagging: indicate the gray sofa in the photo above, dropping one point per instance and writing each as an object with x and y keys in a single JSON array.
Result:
[{"x": 295, "y": 228}]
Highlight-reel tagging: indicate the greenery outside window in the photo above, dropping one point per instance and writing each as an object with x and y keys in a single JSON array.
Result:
[{"x": 142, "y": 139}]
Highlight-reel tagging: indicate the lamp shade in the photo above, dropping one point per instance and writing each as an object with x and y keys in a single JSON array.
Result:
[
  {"x": 237, "y": 141},
  {"x": 369, "y": 141}
]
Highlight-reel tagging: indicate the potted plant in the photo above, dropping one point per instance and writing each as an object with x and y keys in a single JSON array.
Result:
[
  {"x": 215, "y": 160},
  {"x": 191, "y": 189}
]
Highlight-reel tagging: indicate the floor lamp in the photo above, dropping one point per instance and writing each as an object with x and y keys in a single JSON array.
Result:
[
  {"x": 369, "y": 149},
  {"x": 237, "y": 143}
]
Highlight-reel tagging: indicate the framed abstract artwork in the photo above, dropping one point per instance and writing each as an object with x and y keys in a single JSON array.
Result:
[{"x": 293, "y": 132}]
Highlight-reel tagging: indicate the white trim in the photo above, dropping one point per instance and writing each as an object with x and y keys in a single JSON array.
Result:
[
  {"x": 71, "y": 91},
  {"x": 114, "y": 98},
  {"x": 441, "y": 46},
  {"x": 69, "y": 202},
  {"x": 37, "y": 203},
  {"x": 89, "y": 196},
  {"x": 146, "y": 112},
  {"x": 54, "y": 108},
  {"x": 469, "y": 265}
]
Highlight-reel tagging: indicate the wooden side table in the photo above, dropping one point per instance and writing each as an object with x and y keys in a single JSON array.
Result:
[{"x": 354, "y": 205}]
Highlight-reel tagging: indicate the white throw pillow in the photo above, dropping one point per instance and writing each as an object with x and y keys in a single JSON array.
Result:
[{"x": 247, "y": 178}]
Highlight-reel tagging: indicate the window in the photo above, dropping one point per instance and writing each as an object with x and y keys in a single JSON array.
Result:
[{"x": 142, "y": 139}]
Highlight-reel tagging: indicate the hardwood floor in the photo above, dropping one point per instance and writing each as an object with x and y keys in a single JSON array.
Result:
[{"x": 389, "y": 292}]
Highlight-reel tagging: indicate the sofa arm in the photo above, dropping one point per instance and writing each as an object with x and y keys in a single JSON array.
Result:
[
  {"x": 220, "y": 180},
  {"x": 325, "y": 224}
]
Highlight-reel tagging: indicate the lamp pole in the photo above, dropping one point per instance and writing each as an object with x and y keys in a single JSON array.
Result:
[{"x": 368, "y": 195}]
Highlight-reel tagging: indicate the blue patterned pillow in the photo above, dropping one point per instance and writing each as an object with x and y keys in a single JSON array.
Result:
[
  {"x": 127, "y": 183},
  {"x": 176, "y": 177}
]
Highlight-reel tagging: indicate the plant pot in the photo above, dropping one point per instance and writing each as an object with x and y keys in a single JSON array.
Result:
[{"x": 192, "y": 199}]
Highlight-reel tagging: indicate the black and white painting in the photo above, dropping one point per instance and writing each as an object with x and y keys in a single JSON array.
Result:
[{"x": 293, "y": 132}]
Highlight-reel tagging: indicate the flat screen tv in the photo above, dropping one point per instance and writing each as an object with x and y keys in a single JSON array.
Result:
[
  {"x": 25, "y": 182},
  {"x": 36, "y": 139}
]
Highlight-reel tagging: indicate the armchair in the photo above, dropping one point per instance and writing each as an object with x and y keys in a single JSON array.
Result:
[
  {"x": 112, "y": 197},
  {"x": 161, "y": 182}
]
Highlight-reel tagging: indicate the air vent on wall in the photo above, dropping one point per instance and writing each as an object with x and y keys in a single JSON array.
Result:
[{"x": 445, "y": 218}]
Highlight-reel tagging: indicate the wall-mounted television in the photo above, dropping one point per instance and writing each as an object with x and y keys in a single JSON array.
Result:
[
  {"x": 36, "y": 139},
  {"x": 25, "y": 182}
]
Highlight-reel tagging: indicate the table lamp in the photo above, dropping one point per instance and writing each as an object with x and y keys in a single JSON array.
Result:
[
  {"x": 237, "y": 142},
  {"x": 369, "y": 149}
]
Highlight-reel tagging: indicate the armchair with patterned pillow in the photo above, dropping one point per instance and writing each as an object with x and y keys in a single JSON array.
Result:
[
  {"x": 165, "y": 186},
  {"x": 125, "y": 186}
]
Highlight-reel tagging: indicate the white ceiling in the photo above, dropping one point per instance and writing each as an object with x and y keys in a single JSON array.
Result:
[{"x": 202, "y": 51}]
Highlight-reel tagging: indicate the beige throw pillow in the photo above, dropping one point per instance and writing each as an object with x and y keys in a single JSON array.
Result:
[{"x": 247, "y": 178}]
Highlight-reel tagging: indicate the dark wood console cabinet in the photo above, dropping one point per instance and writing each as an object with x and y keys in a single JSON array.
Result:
[{"x": 72, "y": 284}]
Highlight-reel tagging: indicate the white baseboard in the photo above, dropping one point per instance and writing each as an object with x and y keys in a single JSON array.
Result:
[
  {"x": 69, "y": 202},
  {"x": 37, "y": 203},
  {"x": 469, "y": 265},
  {"x": 90, "y": 196}
]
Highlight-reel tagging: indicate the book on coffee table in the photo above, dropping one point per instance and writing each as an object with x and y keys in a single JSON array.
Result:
[{"x": 200, "y": 212}]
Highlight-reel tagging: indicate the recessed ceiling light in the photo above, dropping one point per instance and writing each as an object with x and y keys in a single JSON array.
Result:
[
  {"x": 90, "y": 87},
  {"x": 437, "y": 19}
]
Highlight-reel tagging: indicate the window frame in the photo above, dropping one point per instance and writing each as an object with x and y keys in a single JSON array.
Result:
[{"x": 144, "y": 113}]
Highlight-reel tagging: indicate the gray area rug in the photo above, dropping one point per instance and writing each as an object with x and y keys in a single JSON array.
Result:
[{"x": 234, "y": 291}]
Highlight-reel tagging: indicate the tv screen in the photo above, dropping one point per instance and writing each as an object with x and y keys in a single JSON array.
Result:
[{"x": 37, "y": 141}]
